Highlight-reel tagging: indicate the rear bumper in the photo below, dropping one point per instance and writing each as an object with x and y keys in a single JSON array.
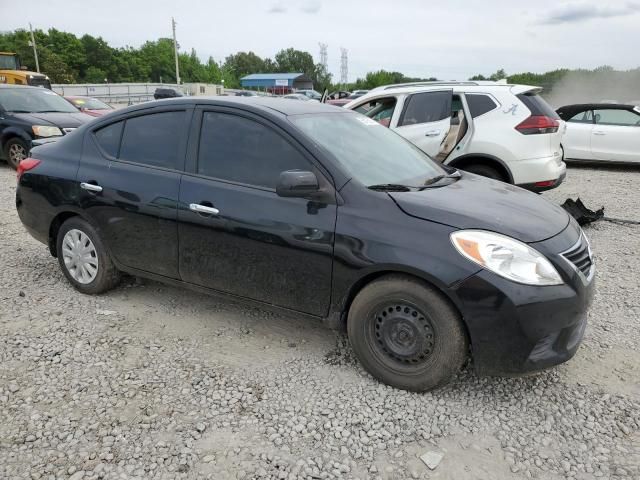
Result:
[
  {"x": 544, "y": 185},
  {"x": 527, "y": 173}
]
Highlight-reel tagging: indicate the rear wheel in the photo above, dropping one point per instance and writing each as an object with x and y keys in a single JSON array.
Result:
[
  {"x": 15, "y": 150},
  {"x": 83, "y": 258},
  {"x": 485, "y": 171},
  {"x": 406, "y": 334}
]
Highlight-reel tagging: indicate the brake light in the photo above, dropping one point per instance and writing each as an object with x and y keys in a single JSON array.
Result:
[
  {"x": 536, "y": 124},
  {"x": 26, "y": 165}
]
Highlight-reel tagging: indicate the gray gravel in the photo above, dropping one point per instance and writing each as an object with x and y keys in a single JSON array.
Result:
[{"x": 151, "y": 381}]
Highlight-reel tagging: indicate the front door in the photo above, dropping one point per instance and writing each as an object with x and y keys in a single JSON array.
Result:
[
  {"x": 130, "y": 180},
  {"x": 426, "y": 119},
  {"x": 616, "y": 135},
  {"x": 577, "y": 137},
  {"x": 236, "y": 235}
]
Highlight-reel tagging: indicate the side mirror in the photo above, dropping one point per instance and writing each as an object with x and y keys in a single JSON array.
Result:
[{"x": 297, "y": 183}]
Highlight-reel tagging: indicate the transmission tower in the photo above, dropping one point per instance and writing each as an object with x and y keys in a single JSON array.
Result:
[
  {"x": 323, "y": 55},
  {"x": 344, "y": 67}
]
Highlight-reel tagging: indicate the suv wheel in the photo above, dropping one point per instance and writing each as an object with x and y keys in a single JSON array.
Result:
[
  {"x": 406, "y": 334},
  {"x": 83, "y": 258},
  {"x": 15, "y": 150},
  {"x": 485, "y": 171}
]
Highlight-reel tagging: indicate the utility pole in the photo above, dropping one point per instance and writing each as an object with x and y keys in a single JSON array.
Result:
[
  {"x": 35, "y": 50},
  {"x": 175, "y": 50}
]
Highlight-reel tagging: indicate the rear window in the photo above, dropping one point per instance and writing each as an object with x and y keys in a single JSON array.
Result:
[
  {"x": 537, "y": 105},
  {"x": 109, "y": 138},
  {"x": 480, "y": 104}
]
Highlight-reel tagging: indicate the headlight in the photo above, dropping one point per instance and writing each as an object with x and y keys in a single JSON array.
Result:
[
  {"x": 45, "y": 131},
  {"x": 505, "y": 256}
]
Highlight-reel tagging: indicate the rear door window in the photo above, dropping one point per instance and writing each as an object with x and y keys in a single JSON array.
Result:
[
  {"x": 154, "y": 139},
  {"x": 479, "y": 104},
  {"x": 537, "y": 105},
  {"x": 237, "y": 149},
  {"x": 426, "y": 107},
  {"x": 109, "y": 138},
  {"x": 622, "y": 118}
]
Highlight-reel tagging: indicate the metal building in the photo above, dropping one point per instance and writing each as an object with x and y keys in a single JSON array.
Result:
[{"x": 277, "y": 82}]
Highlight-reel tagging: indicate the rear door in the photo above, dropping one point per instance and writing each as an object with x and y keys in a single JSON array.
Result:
[
  {"x": 577, "y": 138},
  {"x": 425, "y": 119},
  {"x": 130, "y": 179},
  {"x": 248, "y": 241},
  {"x": 616, "y": 135}
]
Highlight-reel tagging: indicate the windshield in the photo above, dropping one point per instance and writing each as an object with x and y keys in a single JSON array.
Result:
[
  {"x": 90, "y": 104},
  {"x": 9, "y": 62},
  {"x": 311, "y": 94},
  {"x": 33, "y": 100},
  {"x": 371, "y": 153}
]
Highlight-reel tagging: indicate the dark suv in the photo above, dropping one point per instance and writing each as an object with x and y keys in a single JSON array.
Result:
[
  {"x": 30, "y": 113},
  {"x": 322, "y": 212}
]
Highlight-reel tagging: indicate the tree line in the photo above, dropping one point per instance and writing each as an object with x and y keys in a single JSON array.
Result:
[{"x": 67, "y": 58}]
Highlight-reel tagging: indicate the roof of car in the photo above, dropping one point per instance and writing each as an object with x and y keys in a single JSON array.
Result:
[
  {"x": 281, "y": 105},
  {"x": 466, "y": 86},
  {"x": 571, "y": 110},
  {"x": 6, "y": 85}
]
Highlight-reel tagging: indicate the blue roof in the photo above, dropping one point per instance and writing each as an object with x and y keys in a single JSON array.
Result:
[{"x": 272, "y": 76}]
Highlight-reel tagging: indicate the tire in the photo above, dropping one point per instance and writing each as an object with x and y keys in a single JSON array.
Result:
[
  {"x": 406, "y": 334},
  {"x": 101, "y": 274},
  {"x": 15, "y": 150},
  {"x": 485, "y": 171}
]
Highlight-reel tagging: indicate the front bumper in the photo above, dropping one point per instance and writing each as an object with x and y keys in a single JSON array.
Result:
[{"x": 517, "y": 328}]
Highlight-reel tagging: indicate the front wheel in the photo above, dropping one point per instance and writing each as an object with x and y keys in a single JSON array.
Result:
[
  {"x": 84, "y": 259},
  {"x": 15, "y": 150},
  {"x": 406, "y": 334}
]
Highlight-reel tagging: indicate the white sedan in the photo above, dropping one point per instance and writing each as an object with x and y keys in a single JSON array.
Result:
[{"x": 601, "y": 132}]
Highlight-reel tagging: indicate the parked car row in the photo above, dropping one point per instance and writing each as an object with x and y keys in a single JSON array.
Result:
[{"x": 327, "y": 213}]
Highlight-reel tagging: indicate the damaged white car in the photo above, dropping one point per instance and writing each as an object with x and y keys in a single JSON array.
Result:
[{"x": 501, "y": 131}]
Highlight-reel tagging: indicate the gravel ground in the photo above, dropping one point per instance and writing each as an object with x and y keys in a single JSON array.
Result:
[{"x": 151, "y": 381}]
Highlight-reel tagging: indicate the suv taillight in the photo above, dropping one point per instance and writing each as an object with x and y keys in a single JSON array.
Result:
[
  {"x": 538, "y": 124},
  {"x": 26, "y": 165}
]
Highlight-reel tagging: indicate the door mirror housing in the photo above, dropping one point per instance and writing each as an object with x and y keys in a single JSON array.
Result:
[{"x": 297, "y": 183}]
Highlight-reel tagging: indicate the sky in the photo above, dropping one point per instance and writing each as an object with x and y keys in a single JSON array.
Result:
[{"x": 451, "y": 39}]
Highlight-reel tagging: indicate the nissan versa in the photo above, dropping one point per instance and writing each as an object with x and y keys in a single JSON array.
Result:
[{"x": 323, "y": 212}]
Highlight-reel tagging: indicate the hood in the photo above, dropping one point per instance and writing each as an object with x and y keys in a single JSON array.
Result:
[
  {"x": 57, "y": 119},
  {"x": 480, "y": 203}
]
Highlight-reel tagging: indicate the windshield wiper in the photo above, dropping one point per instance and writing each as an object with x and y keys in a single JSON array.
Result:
[
  {"x": 52, "y": 111},
  {"x": 389, "y": 187},
  {"x": 20, "y": 111}
]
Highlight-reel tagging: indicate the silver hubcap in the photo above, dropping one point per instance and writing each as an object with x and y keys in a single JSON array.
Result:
[
  {"x": 80, "y": 256},
  {"x": 17, "y": 153}
]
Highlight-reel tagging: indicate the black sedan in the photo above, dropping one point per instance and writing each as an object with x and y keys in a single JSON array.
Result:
[
  {"x": 30, "y": 113},
  {"x": 322, "y": 212}
]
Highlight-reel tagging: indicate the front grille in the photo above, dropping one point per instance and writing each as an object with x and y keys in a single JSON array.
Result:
[{"x": 580, "y": 255}]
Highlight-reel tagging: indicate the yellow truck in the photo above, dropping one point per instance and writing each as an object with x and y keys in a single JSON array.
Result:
[{"x": 13, "y": 73}]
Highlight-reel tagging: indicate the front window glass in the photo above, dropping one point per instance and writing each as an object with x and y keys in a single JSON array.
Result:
[
  {"x": 33, "y": 100},
  {"x": 370, "y": 153},
  {"x": 582, "y": 117},
  {"x": 9, "y": 62}
]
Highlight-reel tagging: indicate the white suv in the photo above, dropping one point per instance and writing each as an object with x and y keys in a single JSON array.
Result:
[{"x": 506, "y": 132}]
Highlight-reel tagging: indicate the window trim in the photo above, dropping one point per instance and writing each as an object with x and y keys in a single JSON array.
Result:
[
  {"x": 407, "y": 101},
  {"x": 495, "y": 101},
  {"x": 194, "y": 147}
]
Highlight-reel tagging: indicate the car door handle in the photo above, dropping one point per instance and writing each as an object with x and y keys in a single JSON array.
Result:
[
  {"x": 91, "y": 187},
  {"x": 432, "y": 133},
  {"x": 196, "y": 207},
  {"x": 599, "y": 133}
]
